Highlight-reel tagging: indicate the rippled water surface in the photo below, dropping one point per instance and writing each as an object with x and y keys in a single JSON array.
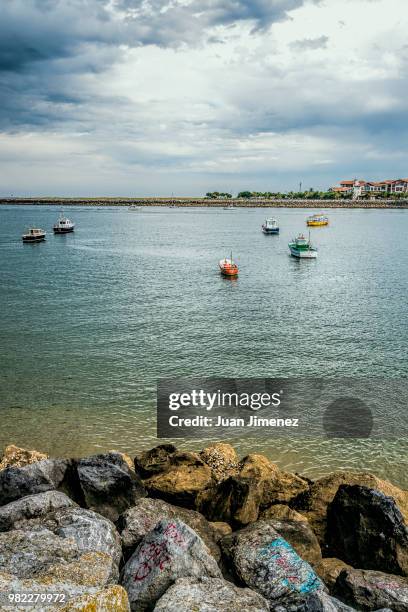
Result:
[{"x": 89, "y": 321}]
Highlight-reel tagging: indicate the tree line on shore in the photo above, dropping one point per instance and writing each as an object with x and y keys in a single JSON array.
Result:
[{"x": 310, "y": 194}]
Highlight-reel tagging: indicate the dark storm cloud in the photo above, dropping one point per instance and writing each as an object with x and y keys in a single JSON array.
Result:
[
  {"x": 45, "y": 45},
  {"x": 37, "y": 30}
]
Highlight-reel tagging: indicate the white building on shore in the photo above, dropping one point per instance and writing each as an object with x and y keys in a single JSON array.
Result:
[{"x": 360, "y": 188}]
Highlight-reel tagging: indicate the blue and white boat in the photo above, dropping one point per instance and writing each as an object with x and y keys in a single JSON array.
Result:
[{"x": 270, "y": 226}]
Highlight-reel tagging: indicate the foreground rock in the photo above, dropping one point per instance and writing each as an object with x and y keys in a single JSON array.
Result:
[
  {"x": 184, "y": 479},
  {"x": 300, "y": 537},
  {"x": 90, "y": 531},
  {"x": 222, "y": 459},
  {"x": 154, "y": 461},
  {"x": 235, "y": 500},
  {"x": 112, "y": 599},
  {"x": 87, "y": 531},
  {"x": 277, "y": 487},
  {"x": 207, "y": 594},
  {"x": 13, "y": 456},
  {"x": 328, "y": 569},
  {"x": 220, "y": 529},
  {"x": 44, "y": 557},
  {"x": 70, "y": 550},
  {"x": 170, "y": 551},
  {"x": 282, "y": 512},
  {"x": 314, "y": 502},
  {"x": 38, "y": 477},
  {"x": 136, "y": 522},
  {"x": 108, "y": 484},
  {"x": 367, "y": 530},
  {"x": 32, "y": 506},
  {"x": 74, "y": 592},
  {"x": 322, "y": 602},
  {"x": 372, "y": 590},
  {"x": 259, "y": 483},
  {"x": 267, "y": 563}
]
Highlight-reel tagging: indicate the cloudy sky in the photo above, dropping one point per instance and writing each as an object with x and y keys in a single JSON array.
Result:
[{"x": 145, "y": 97}]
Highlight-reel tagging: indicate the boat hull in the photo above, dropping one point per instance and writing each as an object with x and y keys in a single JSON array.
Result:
[
  {"x": 65, "y": 230},
  {"x": 303, "y": 254},
  {"x": 274, "y": 230},
  {"x": 316, "y": 223},
  {"x": 28, "y": 239},
  {"x": 229, "y": 271}
]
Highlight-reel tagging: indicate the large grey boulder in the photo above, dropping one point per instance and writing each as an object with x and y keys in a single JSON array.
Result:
[
  {"x": 366, "y": 529},
  {"x": 267, "y": 563},
  {"x": 170, "y": 551},
  {"x": 108, "y": 484},
  {"x": 371, "y": 590},
  {"x": 32, "y": 506},
  {"x": 209, "y": 595},
  {"x": 66, "y": 549},
  {"x": 25, "y": 554},
  {"x": 136, "y": 522},
  {"x": 38, "y": 477},
  {"x": 90, "y": 531}
]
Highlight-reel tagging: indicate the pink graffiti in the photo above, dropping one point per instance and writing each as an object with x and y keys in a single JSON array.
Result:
[
  {"x": 388, "y": 585},
  {"x": 155, "y": 555}
]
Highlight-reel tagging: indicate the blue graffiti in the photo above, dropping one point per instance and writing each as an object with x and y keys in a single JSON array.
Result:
[{"x": 299, "y": 576}]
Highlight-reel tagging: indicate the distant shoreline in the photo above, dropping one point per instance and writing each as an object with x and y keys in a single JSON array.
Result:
[{"x": 207, "y": 203}]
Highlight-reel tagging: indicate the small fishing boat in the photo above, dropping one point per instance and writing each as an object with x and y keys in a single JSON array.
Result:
[
  {"x": 134, "y": 207},
  {"x": 270, "y": 226},
  {"x": 34, "y": 235},
  {"x": 317, "y": 220},
  {"x": 63, "y": 225},
  {"x": 229, "y": 207},
  {"x": 302, "y": 248},
  {"x": 228, "y": 267}
]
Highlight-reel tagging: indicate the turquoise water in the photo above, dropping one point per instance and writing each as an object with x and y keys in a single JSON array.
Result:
[{"x": 89, "y": 321}]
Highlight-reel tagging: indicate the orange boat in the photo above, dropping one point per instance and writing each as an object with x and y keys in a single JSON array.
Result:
[{"x": 228, "y": 267}]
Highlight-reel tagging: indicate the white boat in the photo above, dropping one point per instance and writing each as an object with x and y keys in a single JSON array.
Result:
[
  {"x": 302, "y": 248},
  {"x": 63, "y": 225},
  {"x": 270, "y": 226},
  {"x": 133, "y": 207},
  {"x": 229, "y": 207}
]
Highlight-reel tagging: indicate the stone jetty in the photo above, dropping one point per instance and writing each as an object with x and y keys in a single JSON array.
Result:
[
  {"x": 177, "y": 531},
  {"x": 210, "y": 203}
]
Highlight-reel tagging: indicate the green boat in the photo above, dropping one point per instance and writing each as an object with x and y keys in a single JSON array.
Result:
[{"x": 302, "y": 248}]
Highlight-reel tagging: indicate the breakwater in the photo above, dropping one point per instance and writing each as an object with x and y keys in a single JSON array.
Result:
[
  {"x": 176, "y": 530},
  {"x": 208, "y": 203}
]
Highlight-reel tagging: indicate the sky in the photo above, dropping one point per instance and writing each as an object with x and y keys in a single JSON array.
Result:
[{"x": 161, "y": 97}]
